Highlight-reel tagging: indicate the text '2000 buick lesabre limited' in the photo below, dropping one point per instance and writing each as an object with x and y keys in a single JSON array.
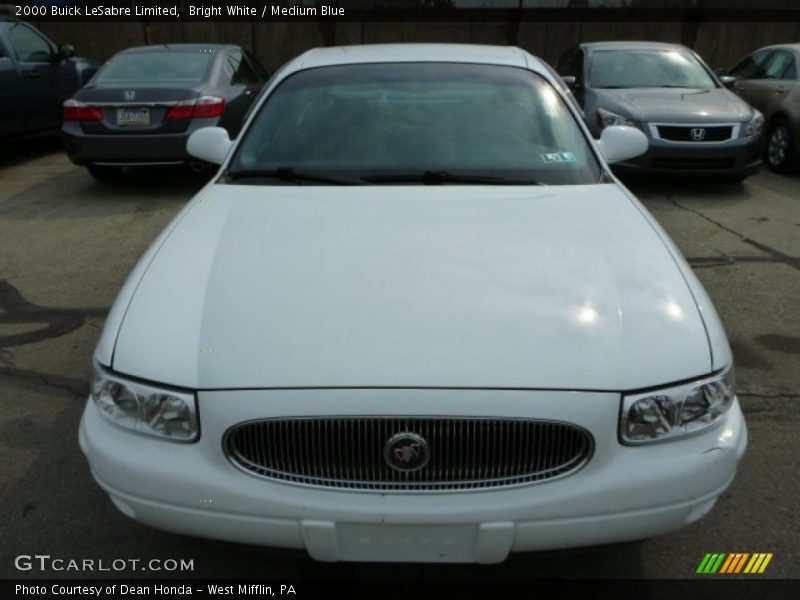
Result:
[{"x": 414, "y": 317}]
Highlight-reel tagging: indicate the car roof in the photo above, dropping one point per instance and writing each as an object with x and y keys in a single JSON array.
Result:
[
  {"x": 178, "y": 48},
  {"x": 386, "y": 53},
  {"x": 795, "y": 47},
  {"x": 632, "y": 45}
]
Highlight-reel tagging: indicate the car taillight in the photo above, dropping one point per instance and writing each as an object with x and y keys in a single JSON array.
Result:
[
  {"x": 180, "y": 111},
  {"x": 205, "y": 107},
  {"x": 78, "y": 111},
  {"x": 209, "y": 106}
]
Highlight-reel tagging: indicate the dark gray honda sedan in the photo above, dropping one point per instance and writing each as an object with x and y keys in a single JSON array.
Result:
[
  {"x": 35, "y": 78},
  {"x": 144, "y": 103},
  {"x": 692, "y": 121}
]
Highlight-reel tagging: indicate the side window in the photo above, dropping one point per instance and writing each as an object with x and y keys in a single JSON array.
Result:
[
  {"x": 239, "y": 70},
  {"x": 791, "y": 71},
  {"x": 28, "y": 44},
  {"x": 752, "y": 67},
  {"x": 781, "y": 66}
]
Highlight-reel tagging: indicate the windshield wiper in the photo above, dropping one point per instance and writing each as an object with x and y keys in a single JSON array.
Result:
[
  {"x": 445, "y": 177},
  {"x": 289, "y": 174}
]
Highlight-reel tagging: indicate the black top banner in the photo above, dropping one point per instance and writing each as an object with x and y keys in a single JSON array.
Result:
[{"x": 388, "y": 11}]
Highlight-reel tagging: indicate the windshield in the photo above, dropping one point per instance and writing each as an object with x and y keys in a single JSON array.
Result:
[
  {"x": 412, "y": 123},
  {"x": 647, "y": 68},
  {"x": 156, "y": 67}
]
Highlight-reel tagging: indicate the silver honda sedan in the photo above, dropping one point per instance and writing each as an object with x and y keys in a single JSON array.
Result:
[{"x": 693, "y": 122}]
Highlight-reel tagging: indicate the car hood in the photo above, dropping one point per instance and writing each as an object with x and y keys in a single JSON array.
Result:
[
  {"x": 678, "y": 105},
  {"x": 565, "y": 287}
]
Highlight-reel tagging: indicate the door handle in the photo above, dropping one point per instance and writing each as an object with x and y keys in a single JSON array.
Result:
[
  {"x": 781, "y": 90},
  {"x": 34, "y": 73}
]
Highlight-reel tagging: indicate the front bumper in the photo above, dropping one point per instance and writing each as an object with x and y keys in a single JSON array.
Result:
[
  {"x": 623, "y": 493},
  {"x": 737, "y": 157}
]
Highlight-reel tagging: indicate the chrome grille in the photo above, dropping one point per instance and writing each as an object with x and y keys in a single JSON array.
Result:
[{"x": 465, "y": 453}]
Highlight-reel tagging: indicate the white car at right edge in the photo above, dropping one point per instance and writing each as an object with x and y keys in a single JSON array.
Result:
[{"x": 414, "y": 317}]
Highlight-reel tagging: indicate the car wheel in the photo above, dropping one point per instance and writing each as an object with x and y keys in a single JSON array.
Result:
[
  {"x": 780, "y": 154},
  {"x": 105, "y": 172}
]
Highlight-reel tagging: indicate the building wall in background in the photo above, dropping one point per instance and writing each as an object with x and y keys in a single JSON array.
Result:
[{"x": 721, "y": 44}]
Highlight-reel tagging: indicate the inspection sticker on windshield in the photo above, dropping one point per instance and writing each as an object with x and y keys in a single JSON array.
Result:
[{"x": 559, "y": 157}]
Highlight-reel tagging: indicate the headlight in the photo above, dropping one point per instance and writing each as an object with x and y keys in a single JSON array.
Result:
[
  {"x": 163, "y": 413},
  {"x": 677, "y": 411},
  {"x": 754, "y": 125},
  {"x": 606, "y": 118}
]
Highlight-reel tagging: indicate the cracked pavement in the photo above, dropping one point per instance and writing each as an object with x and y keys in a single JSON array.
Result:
[{"x": 67, "y": 244}]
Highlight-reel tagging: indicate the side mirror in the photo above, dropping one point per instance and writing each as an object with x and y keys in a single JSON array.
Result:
[
  {"x": 66, "y": 51},
  {"x": 727, "y": 80},
  {"x": 210, "y": 144},
  {"x": 621, "y": 142},
  {"x": 570, "y": 82}
]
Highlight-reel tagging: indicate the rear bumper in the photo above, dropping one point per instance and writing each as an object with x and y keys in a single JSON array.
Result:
[
  {"x": 128, "y": 148},
  {"x": 737, "y": 157},
  {"x": 624, "y": 493}
]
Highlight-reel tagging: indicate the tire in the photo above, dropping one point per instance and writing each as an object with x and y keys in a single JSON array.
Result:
[
  {"x": 105, "y": 172},
  {"x": 779, "y": 152}
]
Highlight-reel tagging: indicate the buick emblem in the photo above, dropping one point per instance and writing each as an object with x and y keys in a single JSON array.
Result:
[
  {"x": 406, "y": 451},
  {"x": 698, "y": 134},
  {"x": 129, "y": 95}
]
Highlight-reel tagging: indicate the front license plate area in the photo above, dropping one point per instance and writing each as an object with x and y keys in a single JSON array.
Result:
[
  {"x": 133, "y": 117},
  {"x": 407, "y": 543}
]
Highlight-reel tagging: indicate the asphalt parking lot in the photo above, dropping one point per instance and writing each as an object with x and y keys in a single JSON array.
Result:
[{"x": 67, "y": 243}]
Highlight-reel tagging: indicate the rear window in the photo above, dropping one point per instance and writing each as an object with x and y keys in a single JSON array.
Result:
[{"x": 155, "y": 67}]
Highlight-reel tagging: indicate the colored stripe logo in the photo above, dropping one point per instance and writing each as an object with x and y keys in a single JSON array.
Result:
[{"x": 722, "y": 563}]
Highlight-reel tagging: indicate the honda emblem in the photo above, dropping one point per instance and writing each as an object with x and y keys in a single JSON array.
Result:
[{"x": 698, "y": 134}]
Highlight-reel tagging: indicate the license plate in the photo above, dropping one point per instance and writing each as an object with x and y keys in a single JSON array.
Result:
[
  {"x": 426, "y": 543},
  {"x": 139, "y": 117}
]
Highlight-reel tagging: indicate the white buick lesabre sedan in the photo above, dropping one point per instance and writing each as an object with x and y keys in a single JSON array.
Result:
[{"x": 414, "y": 317}]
